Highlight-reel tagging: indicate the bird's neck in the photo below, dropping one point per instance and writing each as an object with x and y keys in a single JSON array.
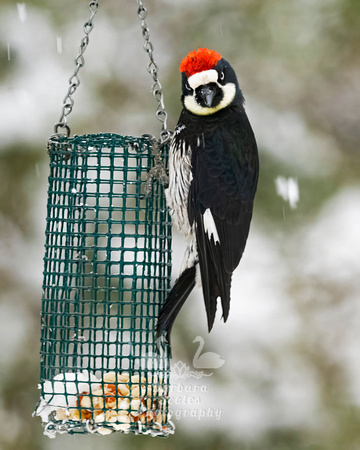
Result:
[
  {"x": 235, "y": 108},
  {"x": 205, "y": 126}
]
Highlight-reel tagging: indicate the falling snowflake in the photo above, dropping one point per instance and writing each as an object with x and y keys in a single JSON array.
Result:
[
  {"x": 288, "y": 189},
  {"x": 59, "y": 44},
  {"x": 21, "y": 8}
]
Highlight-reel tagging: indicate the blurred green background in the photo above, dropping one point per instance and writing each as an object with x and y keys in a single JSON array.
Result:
[{"x": 291, "y": 377}]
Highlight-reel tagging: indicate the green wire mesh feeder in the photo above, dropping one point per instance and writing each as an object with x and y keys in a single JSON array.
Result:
[{"x": 107, "y": 271}]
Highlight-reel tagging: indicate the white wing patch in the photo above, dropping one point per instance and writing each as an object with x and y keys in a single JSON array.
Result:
[{"x": 210, "y": 226}]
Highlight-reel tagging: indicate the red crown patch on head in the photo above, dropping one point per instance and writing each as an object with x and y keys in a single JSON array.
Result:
[{"x": 199, "y": 60}]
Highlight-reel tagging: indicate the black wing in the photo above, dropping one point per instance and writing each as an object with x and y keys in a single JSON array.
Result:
[{"x": 225, "y": 173}]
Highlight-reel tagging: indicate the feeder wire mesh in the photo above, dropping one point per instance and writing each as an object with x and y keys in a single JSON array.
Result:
[
  {"x": 107, "y": 270},
  {"x": 106, "y": 274}
]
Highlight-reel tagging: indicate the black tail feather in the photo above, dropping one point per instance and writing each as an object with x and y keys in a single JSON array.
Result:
[
  {"x": 215, "y": 279},
  {"x": 175, "y": 300},
  {"x": 225, "y": 297},
  {"x": 211, "y": 293}
]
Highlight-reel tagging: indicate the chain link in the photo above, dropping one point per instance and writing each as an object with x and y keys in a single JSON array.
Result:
[
  {"x": 74, "y": 80},
  {"x": 153, "y": 70}
]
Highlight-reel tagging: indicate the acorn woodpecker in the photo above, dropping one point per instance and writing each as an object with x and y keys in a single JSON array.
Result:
[{"x": 213, "y": 174}]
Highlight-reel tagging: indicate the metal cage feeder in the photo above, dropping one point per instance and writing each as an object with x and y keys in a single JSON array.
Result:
[{"x": 107, "y": 270}]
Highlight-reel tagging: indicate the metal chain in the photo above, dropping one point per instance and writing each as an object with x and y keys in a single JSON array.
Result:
[
  {"x": 74, "y": 81},
  {"x": 153, "y": 70}
]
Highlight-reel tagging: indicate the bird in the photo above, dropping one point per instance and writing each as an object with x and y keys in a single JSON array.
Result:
[
  {"x": 208, "y": 360},
  {"x": 213, "y": 175}
]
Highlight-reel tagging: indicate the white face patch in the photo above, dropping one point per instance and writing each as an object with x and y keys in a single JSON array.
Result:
[
  {"x": 229, "y": 91},
  {"x": 206, "y": 77}
]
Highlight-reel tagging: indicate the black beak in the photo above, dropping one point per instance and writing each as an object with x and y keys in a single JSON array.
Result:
[{"x": 207, "y": 93}]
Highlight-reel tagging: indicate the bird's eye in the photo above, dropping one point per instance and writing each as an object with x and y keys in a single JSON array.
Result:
[
  {"x": 222, "y": 76},
  {"x": 188, "y": 87}
]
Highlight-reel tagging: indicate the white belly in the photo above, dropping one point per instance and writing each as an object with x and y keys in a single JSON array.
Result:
[{"x": 180, "y": 177}]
